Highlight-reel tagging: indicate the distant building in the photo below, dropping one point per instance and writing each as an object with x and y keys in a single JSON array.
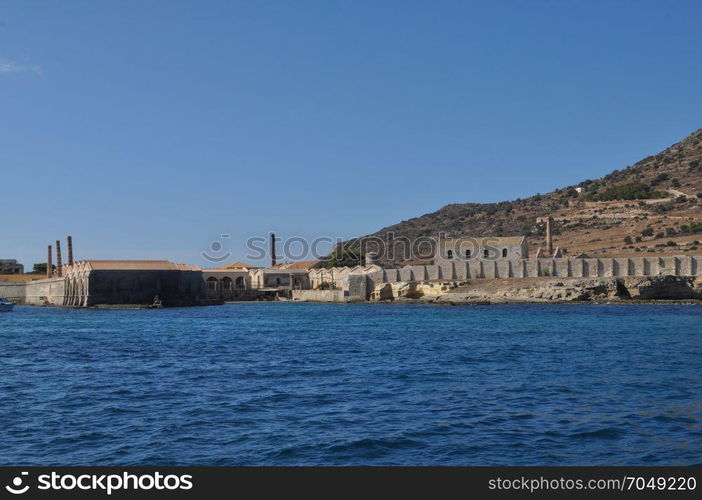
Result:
[
  {"x": 10, "y": 266},
  {"x": 226, "y": 284},
  {"x": 90, "y": 282},
  {"x": 487, "y": 248},
  {"x": 276, "y": 279}
]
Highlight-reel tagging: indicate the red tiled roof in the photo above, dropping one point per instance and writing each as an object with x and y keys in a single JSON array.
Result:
[{"x": 304, "y": 264}]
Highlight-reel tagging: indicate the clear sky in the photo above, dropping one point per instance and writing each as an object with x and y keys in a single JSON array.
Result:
[{"x": 148, "y": 128}]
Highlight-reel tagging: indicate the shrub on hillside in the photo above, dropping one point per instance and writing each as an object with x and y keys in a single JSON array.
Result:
[
  {"x": 659, "y": 178},
  {"x": 630, "y": 191}
]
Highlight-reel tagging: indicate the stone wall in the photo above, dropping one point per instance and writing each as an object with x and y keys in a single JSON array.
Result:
[
  {"x": 16, "y": 292},
  {"x": 679, "y": 265},
  {"x": 319, "y": 295},
  {"x": 142, "y": 287},
  {"x": 48, "y": 292}
]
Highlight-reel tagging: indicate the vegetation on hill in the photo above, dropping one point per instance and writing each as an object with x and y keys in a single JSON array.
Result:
[
  {"x": 344, "y": 257},
  {"x": 630, "y": 191},
  {"x": 653, "y": 192}
]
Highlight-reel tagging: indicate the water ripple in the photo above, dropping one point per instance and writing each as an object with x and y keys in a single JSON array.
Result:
[{"x": 281, "y": 384}]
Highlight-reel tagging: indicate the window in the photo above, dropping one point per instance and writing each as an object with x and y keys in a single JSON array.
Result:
[
  {"x": 212, "y": 284},
  {"x": 504, "y": 252},
  {"x": 226, "y": 283},
  {"x": 449, "y": 254},
  {"x": 486, "y": 254},
  {"x": 468, "y": 254}
]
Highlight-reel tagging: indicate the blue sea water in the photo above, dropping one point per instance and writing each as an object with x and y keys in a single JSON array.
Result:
[{"x": 282, "y": 383}]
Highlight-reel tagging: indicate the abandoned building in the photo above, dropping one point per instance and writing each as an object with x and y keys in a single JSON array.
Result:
[
  {"x": 276, "y": 278},
  {"x": 10, "y": 266},
  {"x": 87, "y": 283},
  {"x": 489, "y": 248},
  {"x": 91, "y": 282},
  {"x": 226, "y": 284}
]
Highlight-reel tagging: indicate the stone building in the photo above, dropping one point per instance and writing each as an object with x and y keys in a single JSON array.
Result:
[
  {"x": 227, "y": 284},
  {"x": 491, "y": 248},
  {"x": 279, "y": 279},
  {"x": 10, "y": 266},
  {"x": 137, "y": 282}
]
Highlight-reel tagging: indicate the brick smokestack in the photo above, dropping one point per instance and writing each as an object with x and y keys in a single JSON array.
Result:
[
  {"x": 549, "y": 236},
  {"x": 49, "y": 264},
  {"x": 70, "y": 250},
  {"x": 273, "y": 250},
  {"x": 58, "y": 258}
]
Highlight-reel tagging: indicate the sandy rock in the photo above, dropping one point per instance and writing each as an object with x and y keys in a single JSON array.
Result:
[
  {"x": 541, "y": 290},
  {"x": 663, "y": 288}
]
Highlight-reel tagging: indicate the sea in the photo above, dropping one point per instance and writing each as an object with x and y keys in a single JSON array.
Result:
[{"x": 267, "y": 383}]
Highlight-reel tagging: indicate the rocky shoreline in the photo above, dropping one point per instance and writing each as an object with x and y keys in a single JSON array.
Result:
[{"x": 629, "y": 290}]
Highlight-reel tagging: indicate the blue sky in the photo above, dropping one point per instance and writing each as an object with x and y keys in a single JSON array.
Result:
[{"x": 148, "y": 128}]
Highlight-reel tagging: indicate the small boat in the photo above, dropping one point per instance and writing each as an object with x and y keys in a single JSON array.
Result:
[{"x": 6, "y": 305}]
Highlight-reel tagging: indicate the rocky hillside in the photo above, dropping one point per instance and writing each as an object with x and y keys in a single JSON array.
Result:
[{"x": 654, "y": 205}]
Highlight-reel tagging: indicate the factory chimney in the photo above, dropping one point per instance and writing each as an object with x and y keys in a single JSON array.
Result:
[
  {"x": 58, "y": 258},
  {"x": 49, "y": 264},
  {"x": 70, "y": 250},
  {"x": 272, "y": 249},
  {"x": 549, "y": 236}
]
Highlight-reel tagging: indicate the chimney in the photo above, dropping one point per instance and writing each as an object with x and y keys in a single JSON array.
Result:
[
  {"x": 49, "y": 264},
  {"x": 272, "y": 249},
  {"x": 58, "y": 258},
  {"x": 549, "y": 236},
  {"x": 70, "y": 250}
]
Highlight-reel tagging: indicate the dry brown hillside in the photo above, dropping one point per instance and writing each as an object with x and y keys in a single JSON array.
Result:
[{"x": 654, "y": 205}]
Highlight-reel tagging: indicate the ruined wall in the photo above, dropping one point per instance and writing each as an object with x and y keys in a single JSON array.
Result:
[
  {"x": 319, "y": 295},
  {"x": 48, "y": 292},
  {"x": 140, "y": 287},
  {"x": 45, "y": 292},
  {"x": 682, "y": 265},
  {"x": 15, "y": 292}
]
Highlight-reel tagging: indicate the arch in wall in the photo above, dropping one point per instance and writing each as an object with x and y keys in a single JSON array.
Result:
[
  {"x": 83, "y": 290},
  {"x": 80, "y": 290},
  {"x": 227, "y": 283},
  {"x": 71, "y": 292},
  {"x": 67, "y": 291},
  {"x": 212, "y": 284},
  {"x": 239, "y": 282},
  {"x": 74, "y": 291}
]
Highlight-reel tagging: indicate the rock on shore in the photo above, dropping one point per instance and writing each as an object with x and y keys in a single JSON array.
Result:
[{"x": 541, "y": 290}]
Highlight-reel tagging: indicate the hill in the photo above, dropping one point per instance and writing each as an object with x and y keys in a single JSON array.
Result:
[{"x": 652, "y": 206}]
